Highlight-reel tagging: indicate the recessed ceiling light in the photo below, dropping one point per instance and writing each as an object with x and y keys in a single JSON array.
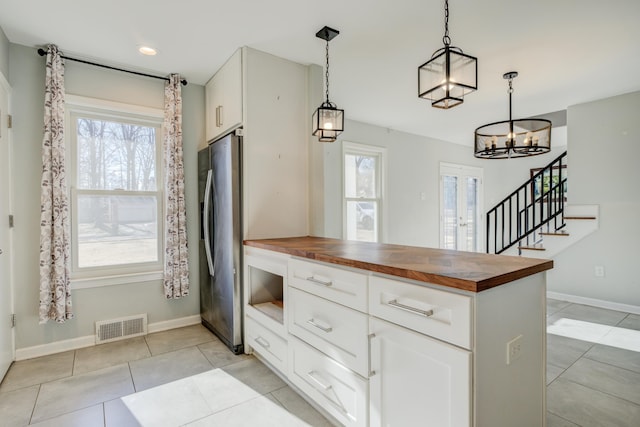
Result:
[{"x": 146, "y": 50}]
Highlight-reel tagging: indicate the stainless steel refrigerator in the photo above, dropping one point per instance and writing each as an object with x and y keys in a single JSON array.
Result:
[{"x": 219, "y": 186}]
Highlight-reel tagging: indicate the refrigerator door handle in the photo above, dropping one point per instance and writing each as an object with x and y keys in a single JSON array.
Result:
[{"x": 205, "y": 220}]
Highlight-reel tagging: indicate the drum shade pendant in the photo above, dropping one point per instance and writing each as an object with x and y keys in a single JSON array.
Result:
[
  {"x": 328, "y": 120},
  {"x": 513, "y": 138},
  {"x": 449, "y": 75}
]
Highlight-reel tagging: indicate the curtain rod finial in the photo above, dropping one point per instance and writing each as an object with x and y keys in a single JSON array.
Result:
[{"x": 42, "y": 52}]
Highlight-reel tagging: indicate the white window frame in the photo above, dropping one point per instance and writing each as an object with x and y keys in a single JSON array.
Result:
[
  {"x": 367, "y": 150},
  {"x": 90, "y": 277}
]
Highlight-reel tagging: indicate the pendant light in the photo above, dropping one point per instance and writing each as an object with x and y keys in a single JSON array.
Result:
[
  {"x": 328, "y": 120},
  {"x": 513, "y": 138},
  {"x": 449, "y": 75}
]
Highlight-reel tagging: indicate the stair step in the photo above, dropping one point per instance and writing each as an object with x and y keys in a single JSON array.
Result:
[
  {"x": 579, "y": 217},
  {"x": 557, "y": 233},
  {"x": 532, "y": 248}
]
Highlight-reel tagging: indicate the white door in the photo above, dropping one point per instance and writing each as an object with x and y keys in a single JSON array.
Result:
[
  {"x": 6, "y": 297},
  {"x": 417, "y": 380},
  {"x": 461, "y": 226}
]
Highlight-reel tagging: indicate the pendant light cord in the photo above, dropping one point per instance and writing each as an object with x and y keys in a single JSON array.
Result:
[
  {"x": 446, "y": 39},
  {"x": 326, "y": 73}
]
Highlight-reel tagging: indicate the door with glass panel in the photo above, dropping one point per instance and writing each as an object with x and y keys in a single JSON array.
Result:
[{"x": 460, "y": 207}]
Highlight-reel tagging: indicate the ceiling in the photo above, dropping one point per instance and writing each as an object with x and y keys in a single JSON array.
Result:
[{"x": 566, "y": 51}]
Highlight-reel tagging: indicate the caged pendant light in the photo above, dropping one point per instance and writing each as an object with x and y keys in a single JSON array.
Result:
[
  {"x": 328, "y": 120},
  {"x": 513, "y": 138},
  {"x": 449, "y": 75}
]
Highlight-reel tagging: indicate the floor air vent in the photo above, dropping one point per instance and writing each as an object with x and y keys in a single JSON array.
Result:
[{"x": 122, "y": 328}]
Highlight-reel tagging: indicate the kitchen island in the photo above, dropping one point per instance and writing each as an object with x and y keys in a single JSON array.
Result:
[{"x": 378, "y": 334}]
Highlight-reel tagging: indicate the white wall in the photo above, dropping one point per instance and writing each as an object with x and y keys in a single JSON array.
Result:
[
  {"x": 413, "y": 167},
  {"x": 4, "y": 54},
  {"x": 27, "y": 80},
  {"x": 604, "y": 148}
]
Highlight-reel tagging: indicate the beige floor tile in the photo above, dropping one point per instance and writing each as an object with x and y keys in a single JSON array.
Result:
[
  {"x": 175, "y": 339},
  {"x": 172, "y": 404},
  {"x": 30, "y": 372},
  {"x": 92, "y": 416},
  {"x": 16, "y": 406},
  {"x": 81, "y": 391},
  {"x": 257, "y": 412},
  {"x": 299, "y": 407},
  {"x": 587, "y": 407},
  {"x": 219, "y": 355},
  {"x": 117, "y": 414},
  {"x": 221, "y": 390},
  {"x": 609, "y": 379},
  {"x": 256, "y": 375},
  {"x": 111, "y": 354},
  {"x": 167, "y": 367},
  {"x": 556, "y": 421}
]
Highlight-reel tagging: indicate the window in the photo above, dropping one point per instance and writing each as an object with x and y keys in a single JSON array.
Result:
[
  {"x": 115, "y": 180},
  {"x": 362, "y": 191}
]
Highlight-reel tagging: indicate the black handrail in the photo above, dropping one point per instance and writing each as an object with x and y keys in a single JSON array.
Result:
[{"x": 530, "y": 207}]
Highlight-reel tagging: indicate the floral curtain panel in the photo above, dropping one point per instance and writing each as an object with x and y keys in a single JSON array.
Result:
[
  {"x": 176, "y": 264},
  {"x": 55, "y": 258}
]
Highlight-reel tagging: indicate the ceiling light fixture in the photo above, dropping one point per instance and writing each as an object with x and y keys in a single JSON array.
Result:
[
  {"x": 449, "y": 75},
  {"x": 146, "y": 50},
  {"x": 513, "y": 138},
  {"x": 328, "y": 120}
]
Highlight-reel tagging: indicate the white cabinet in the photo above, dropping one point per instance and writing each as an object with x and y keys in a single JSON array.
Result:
[
  {"x": 223, "y": 98},
  {"x": 376, "y": 351},
  {"x": 417, "y": 380},
  {"x": 338, "y": 390}
]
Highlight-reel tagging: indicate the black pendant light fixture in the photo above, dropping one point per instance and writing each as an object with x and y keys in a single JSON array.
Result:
[
  {"x": 328, "y": 120},
  {"x": 449, "y": 75},
  {"x": 513, "y": 138}
]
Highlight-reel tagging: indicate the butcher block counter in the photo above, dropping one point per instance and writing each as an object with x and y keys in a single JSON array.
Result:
[
  {"x": 387, "y": 335},
  {"x": 469, "y": 271}
]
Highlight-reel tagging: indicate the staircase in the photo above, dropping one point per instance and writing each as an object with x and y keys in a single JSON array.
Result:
[{"x": 535, "y": 220}]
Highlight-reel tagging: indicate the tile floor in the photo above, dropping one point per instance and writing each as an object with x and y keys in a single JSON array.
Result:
[
  {"x": 179, "y": 377},
  {"x": 593, "y": 379}
]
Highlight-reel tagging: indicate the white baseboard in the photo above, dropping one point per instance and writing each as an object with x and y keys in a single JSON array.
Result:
[
  {"x": 55, "y": 347},
  {"x": 174, "y": 323},
  {"x": 90, "y": 340},
  {"x": 626, "y": 308}
]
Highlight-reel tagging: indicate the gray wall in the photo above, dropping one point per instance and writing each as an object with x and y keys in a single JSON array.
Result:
[
  {"x": 4, "y": 54},
  {"x": 604, "y": 148},
  {"x": 27, "y": 80},
  {"x": 413, "y": 167}
]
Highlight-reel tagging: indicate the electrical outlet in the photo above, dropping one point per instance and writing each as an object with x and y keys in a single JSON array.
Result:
[
  {"x": 598, "y": 270},
  {"x": 514, "y": 349}
]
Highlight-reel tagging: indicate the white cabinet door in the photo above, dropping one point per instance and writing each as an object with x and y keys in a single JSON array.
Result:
[
  {"x": 223, "y": 95},
  {"x": 417, "y": 380}
]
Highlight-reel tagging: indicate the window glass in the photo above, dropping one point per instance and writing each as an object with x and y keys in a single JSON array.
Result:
[
  {"x": 362, "y": 191},
  {"x": 115, "y": 199}
]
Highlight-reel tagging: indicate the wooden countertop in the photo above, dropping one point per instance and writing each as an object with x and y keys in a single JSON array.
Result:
[{"x": 469, "y": 271}]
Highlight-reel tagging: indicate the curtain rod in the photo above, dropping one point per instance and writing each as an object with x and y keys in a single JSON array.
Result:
[{"x": 43, "y": 52}]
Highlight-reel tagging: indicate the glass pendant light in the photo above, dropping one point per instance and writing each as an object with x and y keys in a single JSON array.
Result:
[{"x": 328, "y": 120}]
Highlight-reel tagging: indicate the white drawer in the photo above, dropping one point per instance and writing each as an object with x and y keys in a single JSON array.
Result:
[
  {"x": 440, "y": 314},
  {"x": 334, "y": 329},
  {"x": 342, "y": 286},
  {"x": 266, "y": 343},
  {"x": 335, "y": 388}
]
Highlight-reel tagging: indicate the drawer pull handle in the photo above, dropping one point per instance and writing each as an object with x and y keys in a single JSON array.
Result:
[
  {"x": 425, "y": 313},
  {"x": 370, "y": 337},
  {"x": 313, "y": 376},
  {"x": 319, "y": 282},
  {"x": 326, "y": 329},
  {"x": 264, "y": 343}
]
